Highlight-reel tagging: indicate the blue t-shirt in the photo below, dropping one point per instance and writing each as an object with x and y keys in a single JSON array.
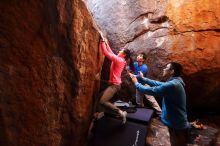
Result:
[{"x": 143, "y": 68}]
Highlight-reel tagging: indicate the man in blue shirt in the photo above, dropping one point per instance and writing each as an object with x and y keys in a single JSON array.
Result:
[
  {"x": 140, "y": 66},
  {"x": 174, "y": 101}
]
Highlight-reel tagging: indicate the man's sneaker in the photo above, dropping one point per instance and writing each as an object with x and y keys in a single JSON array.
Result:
[{"x": 123, "y": 115}]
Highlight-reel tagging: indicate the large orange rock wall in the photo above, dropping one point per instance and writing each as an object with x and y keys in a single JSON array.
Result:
[
  {"x": 49, "y": 58},
  {"x": 196, "y": 45},
  {"x": 169, "y": 30},
  {"x": 195, "y": 15}
]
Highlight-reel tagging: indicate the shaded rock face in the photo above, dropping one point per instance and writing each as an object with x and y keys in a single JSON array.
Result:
[
  {"x": 48, "y": 62},
  {"x": 183, "y": 31}
]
